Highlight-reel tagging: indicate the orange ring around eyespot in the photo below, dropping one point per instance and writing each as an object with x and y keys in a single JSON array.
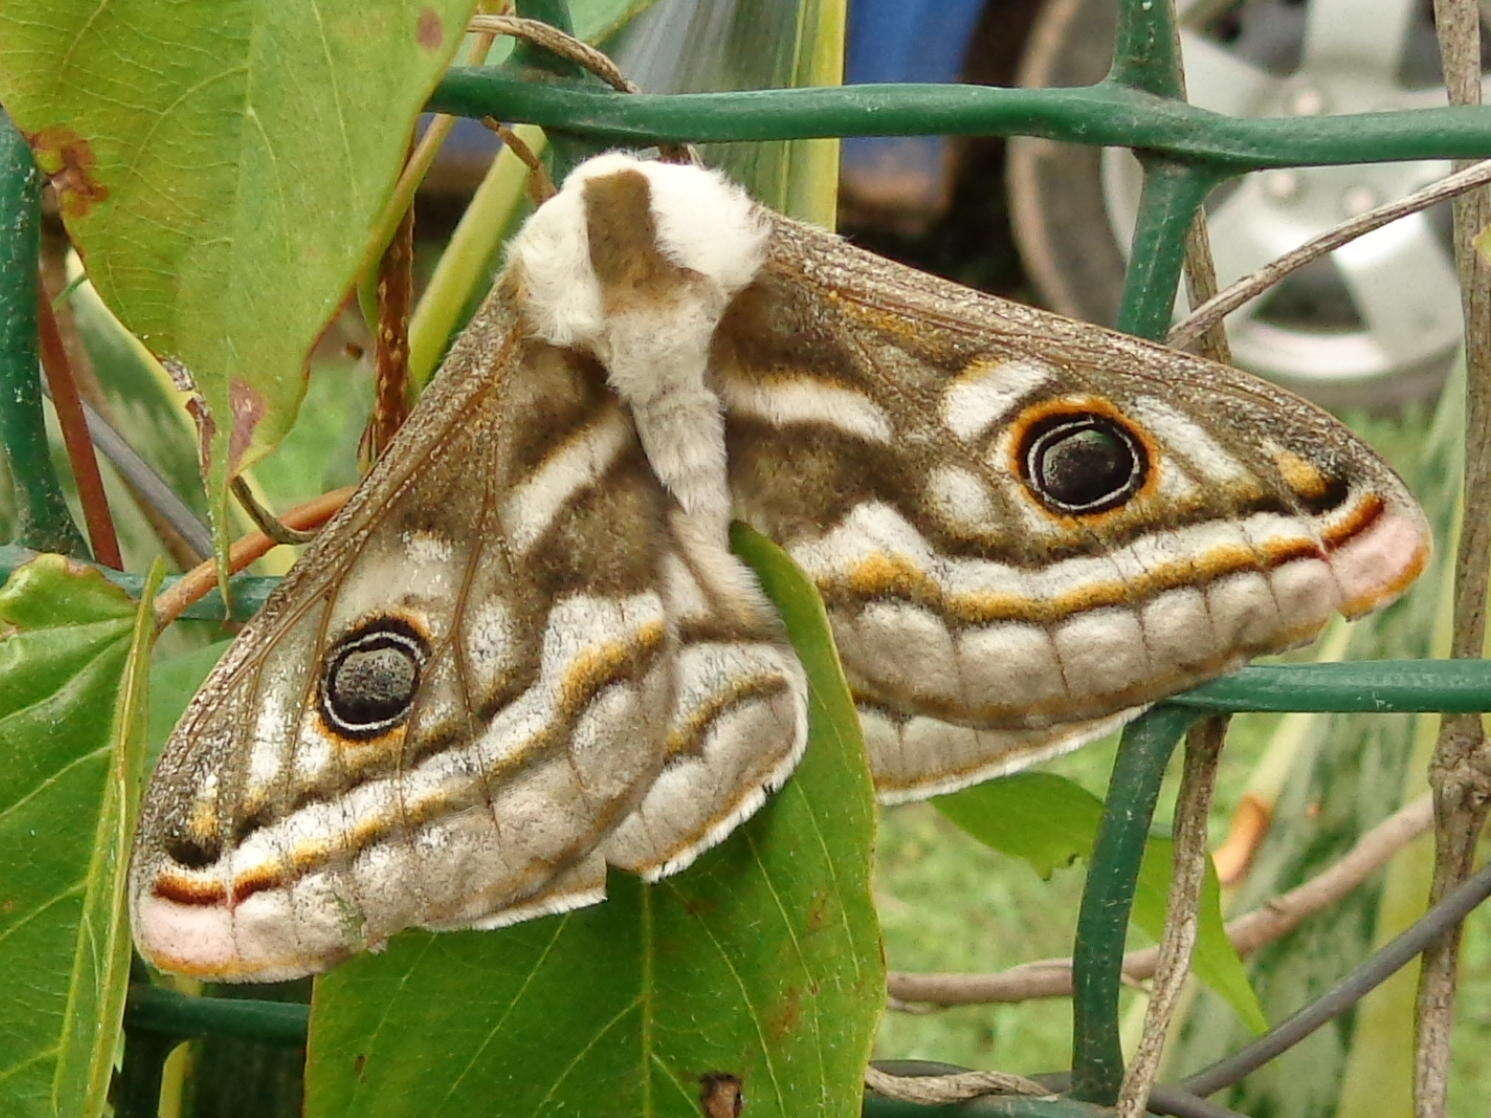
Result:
[
  {"x": 1078, "y": 406},
  {"x": 393, "y": 736}
]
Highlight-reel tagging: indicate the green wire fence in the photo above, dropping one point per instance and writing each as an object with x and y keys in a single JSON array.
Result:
[{"x": 1185, "y": 153}]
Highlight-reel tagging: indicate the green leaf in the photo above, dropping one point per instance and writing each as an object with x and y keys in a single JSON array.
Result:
[
  {"x": 762, "y": 961},
  {"x": 220, "y": 166},
  {"x": 1051, "y": 822},
  {"x": 65, "y": 810},
  {"x": 100, "y": 975}
]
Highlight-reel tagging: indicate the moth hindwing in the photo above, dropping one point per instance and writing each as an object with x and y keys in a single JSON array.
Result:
[{"x": 524, "y": 652}]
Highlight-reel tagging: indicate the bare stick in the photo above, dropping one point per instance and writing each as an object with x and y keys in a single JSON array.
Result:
[
  {"x": 391, "y": 342},
  {"x": 1201, "y": 269},
  {"x": 540, "y": 186},
  {"x": 1052, "y": 978},
  {"x": 1201, "y": 287},
  {"x": 1199, "y": 780},
  {"x": 63, "y": 388},
  {"x": 1460, "y": 774},
  {"x": 265, "y": 520},
  {"x": 555, "y": 41},
  {"x": 940, "y": 1090},
  {"x": 1362, "y": 980},
  {"x": 1186, "y": 332},
  {"x": 1164, "y": 1099}
]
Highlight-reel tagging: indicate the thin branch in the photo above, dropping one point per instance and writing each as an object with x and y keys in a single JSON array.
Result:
[
  {"x": 1165, "y": 1099},
  {"x": 1052, "y": 978},
  {"x": 1460, "y": 774},
  {"x": 1362, "y": 980},
  {"x": 128, "y": 466},
  {"x": 568, "y": 47},
  {"x": 68, "y": 406},
  {"x": 1208, "y": 313},
  {"x": 203, "y": 577},
  {"x": 1200, "y": 267},
  {"x": 555, "y": 41},
  {"x": 265, "y": 520},
  {"x": 391, "y": 347},
  {"x": 540, "y": 186},
  {"x": 1201, "y": 287},
  {"x": 941, "y": 1090},
  {"x": 1198, "y": 781},
  {"x": 157, "y": 499}
]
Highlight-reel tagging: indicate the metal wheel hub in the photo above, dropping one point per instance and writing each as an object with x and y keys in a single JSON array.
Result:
[{"x": 1387, "y": 304}]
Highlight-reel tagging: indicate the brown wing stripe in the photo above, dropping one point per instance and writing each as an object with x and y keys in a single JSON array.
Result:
[
  {"x": 879, "y": 577},
  {"x": 687, "y": 740}
]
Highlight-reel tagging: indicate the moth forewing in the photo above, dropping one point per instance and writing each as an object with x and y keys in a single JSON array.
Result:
[{"x": 522, "y": 651}]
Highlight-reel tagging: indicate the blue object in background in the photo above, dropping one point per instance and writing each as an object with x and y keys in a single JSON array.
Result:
[{"x": 903, "y": 41}]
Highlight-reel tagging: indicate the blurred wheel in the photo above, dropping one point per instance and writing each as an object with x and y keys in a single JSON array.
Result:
[{"x": 1377, "y": 321}]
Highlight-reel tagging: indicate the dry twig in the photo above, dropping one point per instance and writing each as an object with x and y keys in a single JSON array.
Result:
[
  {"x": 555, "y": 41},
  {"x": 1052, "y": 978},
  {"x": 391, "y": 342},
  {"x": 1203, "y": 751},
  {"x": 540, "y": 186},
  {"x": 277, "y": 530},
  {"x": 582, "y": 54},
  {"x": 68, "y": 404},
  {"x": 1210, "y": 311},
  {"x": 940, "y": 1090},
  {"x": 1460, "y": 774},
  {"x": 170, "y": 604}
]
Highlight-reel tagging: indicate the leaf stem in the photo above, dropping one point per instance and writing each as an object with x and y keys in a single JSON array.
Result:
[{"x": 68, "y": 405}]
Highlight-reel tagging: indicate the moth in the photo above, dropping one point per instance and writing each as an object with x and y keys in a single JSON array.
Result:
[{"x": 523, "y": 652}]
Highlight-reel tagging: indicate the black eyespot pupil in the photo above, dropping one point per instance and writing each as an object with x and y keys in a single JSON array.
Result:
[
  {"x": 371, "y": 682},
  {"x": 1083, "y": 463}
]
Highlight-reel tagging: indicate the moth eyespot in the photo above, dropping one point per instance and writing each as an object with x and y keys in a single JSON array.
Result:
[
  {"x": 192, "y": 852},
  {"x": 1082, "y": 462},
  {"x": 372, "y": 677}
]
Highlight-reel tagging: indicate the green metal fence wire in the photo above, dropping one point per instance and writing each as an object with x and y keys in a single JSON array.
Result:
[
  {"x": 42, "y": 518},
  {"x": 1185, "y": 153}
]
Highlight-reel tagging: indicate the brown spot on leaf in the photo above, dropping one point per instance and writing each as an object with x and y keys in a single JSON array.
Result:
[
  {"x": 68, "y": 160},
  {"x": 430, "y": 30},
  {"x": 357, "y": 1066},
  {"x": 818, "y": 912},
  {"x": 248, "y": 408},
  {"x": 206, "y": 429},
  {"x": 721, "y": 1095},
  {"x": 786, "y": 1019}
]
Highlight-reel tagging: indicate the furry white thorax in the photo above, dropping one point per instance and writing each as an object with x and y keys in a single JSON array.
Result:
[{"x": 656, "y": 352}]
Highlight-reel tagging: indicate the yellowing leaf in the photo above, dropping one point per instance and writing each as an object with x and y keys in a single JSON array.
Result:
[{"x": 220, "y": 166}]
